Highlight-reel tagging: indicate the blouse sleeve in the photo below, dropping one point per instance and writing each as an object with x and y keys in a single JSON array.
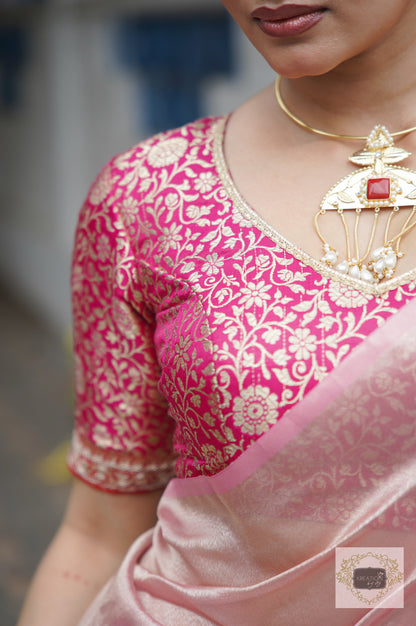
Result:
[{"x": 122, "y": 439}]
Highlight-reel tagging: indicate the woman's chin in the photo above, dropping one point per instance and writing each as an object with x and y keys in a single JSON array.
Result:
[{"x": 300, "y": 68}]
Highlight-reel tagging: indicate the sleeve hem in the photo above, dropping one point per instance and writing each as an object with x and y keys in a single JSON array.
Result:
[
  {"x": 113, "y": 471},
  {"x": 115, "y": 491}
]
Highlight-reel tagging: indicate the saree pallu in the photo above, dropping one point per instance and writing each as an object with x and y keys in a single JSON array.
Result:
[{"x": 255, "y": 544}]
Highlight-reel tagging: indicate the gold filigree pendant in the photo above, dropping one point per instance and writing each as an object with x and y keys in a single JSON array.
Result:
[{"x": 378, "y": 186}]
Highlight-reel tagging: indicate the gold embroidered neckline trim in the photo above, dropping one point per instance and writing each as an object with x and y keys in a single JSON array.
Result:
[{"x": 250, "y": 214}]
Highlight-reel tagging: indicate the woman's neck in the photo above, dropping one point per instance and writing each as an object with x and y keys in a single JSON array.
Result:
[{"x": 355, "y": 96}]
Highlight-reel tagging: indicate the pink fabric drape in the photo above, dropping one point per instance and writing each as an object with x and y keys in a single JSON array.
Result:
[{"x": 255, "y": 544}]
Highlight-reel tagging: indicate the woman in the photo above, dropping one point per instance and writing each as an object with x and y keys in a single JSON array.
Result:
[{"x": 281, "y": 364}]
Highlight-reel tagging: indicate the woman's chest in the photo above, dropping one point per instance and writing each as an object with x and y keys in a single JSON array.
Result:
[
  {"x": 288, "y": 187},
  {"x": 263, "y": 317},
  {"x": 244, "y": 331}
]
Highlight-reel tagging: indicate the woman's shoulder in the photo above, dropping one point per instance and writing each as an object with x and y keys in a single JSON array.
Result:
[
  {"x": 164, "y": 149},
  {"x": 133, "y": 171}
]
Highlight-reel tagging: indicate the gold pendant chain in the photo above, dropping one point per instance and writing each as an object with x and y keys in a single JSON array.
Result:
[
  {"x": 379, "y": 184},
  {"x": 325, "y": 133}
]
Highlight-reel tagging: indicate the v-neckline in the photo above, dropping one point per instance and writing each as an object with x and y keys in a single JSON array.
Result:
[{"x": 240, "y": 204}]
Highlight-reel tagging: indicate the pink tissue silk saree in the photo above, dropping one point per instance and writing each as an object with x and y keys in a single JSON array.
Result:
[{"x": 255, "y": 544}]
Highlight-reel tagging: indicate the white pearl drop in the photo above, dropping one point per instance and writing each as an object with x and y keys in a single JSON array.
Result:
[
  {"x": 354, "y": 271},
  {"x": 379, "y": 266},
  {"x": 390, "y": 261},
  {"x": 378, "y": 252},
  {"x": 342, "y": 267},
  {"x": 367, "y": 276},
  {"x": 331, "y": 257}
]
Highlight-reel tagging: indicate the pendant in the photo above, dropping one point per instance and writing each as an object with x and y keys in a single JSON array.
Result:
[{"x": 379, "y": 185}]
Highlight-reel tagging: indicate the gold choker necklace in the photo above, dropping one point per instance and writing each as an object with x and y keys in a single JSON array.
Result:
[{"x": 379, "y": 184}]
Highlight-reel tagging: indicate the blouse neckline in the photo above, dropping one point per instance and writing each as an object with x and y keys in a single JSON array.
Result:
[{"x": 240, "y": 204}]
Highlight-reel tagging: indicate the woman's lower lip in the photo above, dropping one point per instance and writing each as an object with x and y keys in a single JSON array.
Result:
[{"x": 292, "y": 26}]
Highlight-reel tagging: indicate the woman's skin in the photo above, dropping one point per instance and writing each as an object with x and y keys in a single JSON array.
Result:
[
  {"x": 95, "y": 534},
  {"x": 353, "y": 69},
  {"x": 347, "y": 73}
]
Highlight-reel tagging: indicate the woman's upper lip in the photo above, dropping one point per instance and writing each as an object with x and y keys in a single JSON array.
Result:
[{"x": 284, "y": 12}]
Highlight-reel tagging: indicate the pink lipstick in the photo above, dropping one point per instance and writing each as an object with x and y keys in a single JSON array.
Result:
[{"x": 288, "y": 20}]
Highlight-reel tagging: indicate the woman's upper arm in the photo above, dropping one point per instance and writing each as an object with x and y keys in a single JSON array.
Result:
[
  {"x": 88, "y": 548},
  {"x": 123, "y": 434}
]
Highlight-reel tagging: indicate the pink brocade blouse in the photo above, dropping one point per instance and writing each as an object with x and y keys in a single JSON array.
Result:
[{"x": 196, "y": 324}]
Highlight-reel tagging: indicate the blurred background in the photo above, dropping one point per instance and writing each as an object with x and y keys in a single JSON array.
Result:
[{"x": 80, "y": 80}]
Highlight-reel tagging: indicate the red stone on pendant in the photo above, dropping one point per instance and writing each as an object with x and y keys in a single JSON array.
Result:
[{"x": 378, "y": 188}]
